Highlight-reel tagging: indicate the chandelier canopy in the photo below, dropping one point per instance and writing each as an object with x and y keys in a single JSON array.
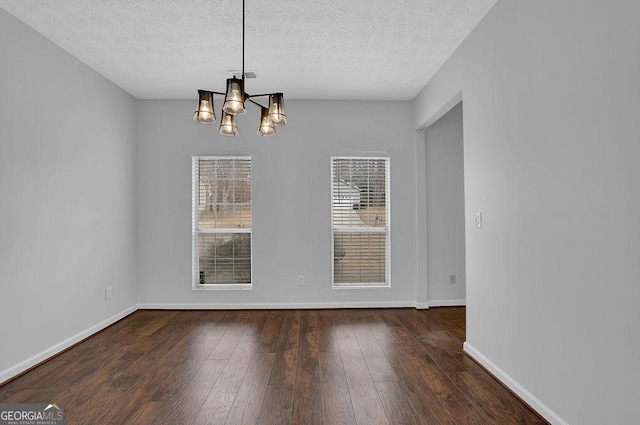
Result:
[{"x": 235, "y": 99}]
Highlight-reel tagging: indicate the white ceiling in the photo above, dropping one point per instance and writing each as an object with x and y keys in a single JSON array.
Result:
[{"x": 329, "y": 49}]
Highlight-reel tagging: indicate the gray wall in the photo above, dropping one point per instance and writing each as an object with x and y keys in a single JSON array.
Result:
[
  {"x": 67, "y": 204},
  {"x": 291, "y": 201},
  {"x": 551, "y": 158},
  {"x": 444, "y": 167}
]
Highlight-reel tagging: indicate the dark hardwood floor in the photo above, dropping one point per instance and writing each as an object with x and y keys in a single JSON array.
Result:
[
  {"x": 364, "y": 367},
  {"x": 453, "y": 319}
]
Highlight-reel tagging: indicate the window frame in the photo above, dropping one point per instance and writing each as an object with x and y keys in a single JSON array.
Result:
[
  {"x": 196, "y": 231},
  {"x": 365, "y": 229}
]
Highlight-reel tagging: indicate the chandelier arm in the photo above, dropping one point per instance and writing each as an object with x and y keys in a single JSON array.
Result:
[
  {"x": 213, "y": 92},
  {"x": 255, "y": 103},
  {"x": 262, "y": 95}
]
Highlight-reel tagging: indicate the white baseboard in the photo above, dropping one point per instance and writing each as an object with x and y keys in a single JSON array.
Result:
[
  {"x": 269, "y": 306},
  {"x": 13, "y": 371},
  {"x": 447, "y": 303},
  {"x": 421, "y": 306},
  {"x": 514, "y": 386}
]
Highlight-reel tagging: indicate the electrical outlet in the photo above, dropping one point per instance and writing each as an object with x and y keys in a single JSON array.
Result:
[
  {"x": 300, "y": 280},
  {"x": 107, "y": 293},
  {"x": 452, "y": 279}
]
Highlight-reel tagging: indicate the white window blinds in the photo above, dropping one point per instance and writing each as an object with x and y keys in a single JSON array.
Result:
[
  {"x": 221, "y": 222},
  {"x": 360, "y": 221}
]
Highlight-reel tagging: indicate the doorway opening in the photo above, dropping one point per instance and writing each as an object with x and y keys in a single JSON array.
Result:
[{"x": 445, "y": 210}]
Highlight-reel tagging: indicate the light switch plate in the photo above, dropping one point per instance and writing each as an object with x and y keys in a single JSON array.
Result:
[{"x": 479, "y": 220}]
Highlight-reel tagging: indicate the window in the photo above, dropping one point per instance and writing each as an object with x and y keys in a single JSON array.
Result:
[
  {"x": 221, "y": 222},
  {"x": 360, "y": 221}
]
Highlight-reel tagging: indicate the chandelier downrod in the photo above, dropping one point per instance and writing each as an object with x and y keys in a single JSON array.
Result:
[{"x": 243, "y": 41}]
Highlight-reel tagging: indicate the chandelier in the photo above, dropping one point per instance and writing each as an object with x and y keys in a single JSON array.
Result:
[{"x": 235, "y": 99}]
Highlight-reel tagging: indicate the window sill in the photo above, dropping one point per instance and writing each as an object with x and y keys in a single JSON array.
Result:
[
  {"x": 345, "y": 286},
  {"x": 223, "y": 287}
]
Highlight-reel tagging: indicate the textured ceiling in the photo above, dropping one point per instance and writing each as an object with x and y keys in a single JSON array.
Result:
[{"x": 330, "y": 49}]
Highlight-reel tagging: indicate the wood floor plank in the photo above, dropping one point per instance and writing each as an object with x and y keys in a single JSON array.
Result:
[
  {"x": 231, "y": 338},
  {"x": 248, "y": 402},
  {"x": 185, "y": 394},
  {"x": 219, "y": 401},
  {"x": 367, "y": 408},
  {"x": 397, "y": 405},
  {"x": 188, "y": 400},
  {"x": 327, "y": 339},
  {"x": 284, "y": 368},
  {"x": 137, "y": 370},
  {"x": 336, "y": 367},
  {"x": 277, "y": 407},
  {"x": 307, "y": 402},
  {"x": 91, "y": 385},
  {"x": 377, "y": 362},
  {"x": 447, "y": 392},
  {"x": 393, "y": 317},
  {"x": 156, "y": 347},
  {"x": 150, "y": 412},
  {"x": 118, "y": 405},
  {"x": 425, "y": 402},
  {"x": 337, "y": 408},
  {"x": 28, "y": 395},
  {"x": 341, "y": 325},
  {"x": 332, "y": 369},
  {"x": 100, "y": 408},
  {"x": 270, "y": 332},
  {"x": 141, "y": 340},
  {"x": 199, "y": 343},
  {"x": 451, "y": 318},
  {"x": 396, "y": 341}
]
